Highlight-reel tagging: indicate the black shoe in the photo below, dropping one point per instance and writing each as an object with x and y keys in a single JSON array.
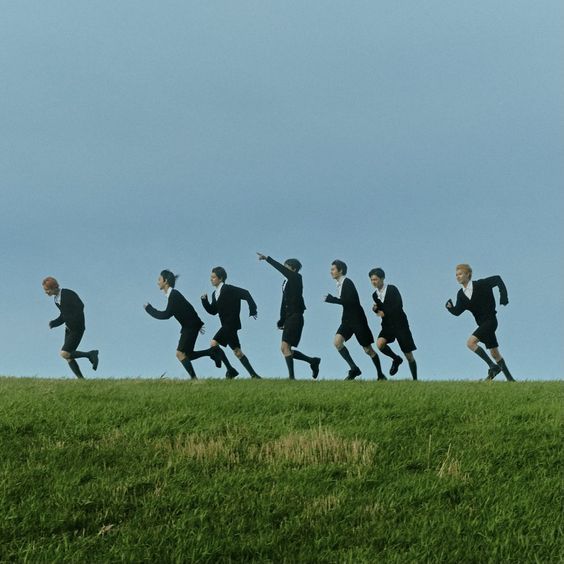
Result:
[
  {"x": 256, "y": 377},
  {"x": 353, "y": 373},
  {"x": 395, "y": 365},
  {"x": 230, "y": 374},
  {"x": 94, "y": 359},
  {"x": 493, "y": 372},
  {"x": 315, "y": 367},
  {"x": 216, "y": 356},
  {"x": 510, "y": 378},
  {"x": 381, "y": 377},
  {"x": 193, "y": 377}
]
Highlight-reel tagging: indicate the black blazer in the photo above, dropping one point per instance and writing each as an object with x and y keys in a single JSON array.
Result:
[
  {"x": 72, "y": 311},
  {"x": 482, "y": 304},
  {"x": 179, "y": 308},
  {"x": 392, "y": 306},
  {"x": 292, "y": 294},
  {"x": 229, "y": 306},
  {"x": 353, "y": 314}
]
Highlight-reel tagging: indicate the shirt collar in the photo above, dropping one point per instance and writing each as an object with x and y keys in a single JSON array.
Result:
[
  {"x": 218, "y": 289},
  {"x": 469, "y": 289},
  {"x": 382, "y": 292},
  {"x": 167, "y": 293},
  {"x": 340, "y": 281}
]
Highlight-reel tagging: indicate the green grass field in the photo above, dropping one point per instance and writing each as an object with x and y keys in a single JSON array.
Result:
[{"x": 279, "y": 471}]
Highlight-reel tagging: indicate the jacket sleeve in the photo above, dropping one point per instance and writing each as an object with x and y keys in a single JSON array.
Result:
[
  {"x": 246, "y": 296},
  {"x": 494, "y": 281},
  {"x": 333, "y": 300},
  {"x": 157, "y": 314},
  {"x": 377, "y": 301},
  {"x": 280, "y": 267},
  {"x": 458, "y": 306},
  {"x": 282, "y": 320},
  {"x": 57, "y": 322},
  {"x": 211, "y": 308}
]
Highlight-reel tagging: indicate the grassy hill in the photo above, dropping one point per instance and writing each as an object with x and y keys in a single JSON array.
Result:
[{"x": 279, "y": 471}]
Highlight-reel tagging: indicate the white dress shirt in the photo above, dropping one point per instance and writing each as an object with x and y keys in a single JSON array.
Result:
[
  {"x": 167, "y": 293},
  {"x": 340, "y": 285},
  {"x": 469, "y": 289},
  {"x": 218, "y": 291},
  {"x": 382, "y": 293}
]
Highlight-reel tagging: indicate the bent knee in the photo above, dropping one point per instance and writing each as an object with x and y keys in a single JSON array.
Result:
[
  {"x": 180, "y": 356},
  {"x": 66, "y": 355},
  {"x": 472, "y": 343},
  {"x": 285, "y": 348},
  {"x": 381, "y": 343}
]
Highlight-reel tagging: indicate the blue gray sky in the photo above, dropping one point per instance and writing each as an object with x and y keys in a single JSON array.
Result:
[{"x": 407, "y": 135}]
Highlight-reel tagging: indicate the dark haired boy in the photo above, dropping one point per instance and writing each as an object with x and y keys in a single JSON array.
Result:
[
  {"x": 183, "y": 311},
  {"x": 478, "y": 298},
  {"x": 226, "y": 302},
  {"x": 388, "y": 306},
  {"x": 71, "y": 311},
  {"x": 353, "y": 321},
  {"x": 292, "y": 309}
]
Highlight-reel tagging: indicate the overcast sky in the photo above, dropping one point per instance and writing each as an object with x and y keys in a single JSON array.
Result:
[{"x": 140, "y": 135}]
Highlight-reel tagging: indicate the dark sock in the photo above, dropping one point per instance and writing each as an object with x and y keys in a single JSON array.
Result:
[
  {"x": 223, "y": 357},
  {"x": 199, "y": 354},
  {"x": 376, "y": 361},
  {"x": 189, "y": 368},
  {"x": 413, "y": 368},
  {"x": 389, "y": 352},
  {"x": 75, "y": 368},
  {"x": 80, "y": 354},
  {"x": 300, "y": 356},
  {"x": 484, "y": 356},
  {"x": 290, "y": 365},
  {"x": 245, "y": 362},
  {"x": 505, "y": 370},
  {"x": 344, "y": 352}
]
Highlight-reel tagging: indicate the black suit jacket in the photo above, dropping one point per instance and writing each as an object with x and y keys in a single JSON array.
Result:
[
  {"x": 179, "y": 308},
  {"x": 72, "y": 311},
  {"x": 229, "y": 306},
  {"x": 482, "y": 304},
  {"x": 353, "y": 314},
  {"x": 392, "y": 306},
  {"x": 293, "y": 293}
]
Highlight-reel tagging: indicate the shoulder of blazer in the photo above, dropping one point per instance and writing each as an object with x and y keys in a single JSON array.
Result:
[{"x": 394, "y": 292}]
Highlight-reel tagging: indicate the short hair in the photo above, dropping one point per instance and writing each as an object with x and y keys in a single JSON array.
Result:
[
  {"x": 294, "y": 263},
  {"x": 50, "y": 283},
  {"x": 341, "y": 266},
  {"x": 219, "y": 271},
  {"x": 169, "y": 277},
  {"x": 466, "y": 267},
  {"x": 377, "y": 272}
]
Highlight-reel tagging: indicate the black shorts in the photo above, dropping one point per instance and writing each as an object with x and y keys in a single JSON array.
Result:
[
  {"x": 72, "y": 339},
  {"x": 227, "y": 338},
  {"x": 293, "y": 327},
  {"x": 361, "y": 332},
  {"x": 486, "y": 333},
  {"x": 403, "y": 335},
  {"x": 187, "y": 340}
]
